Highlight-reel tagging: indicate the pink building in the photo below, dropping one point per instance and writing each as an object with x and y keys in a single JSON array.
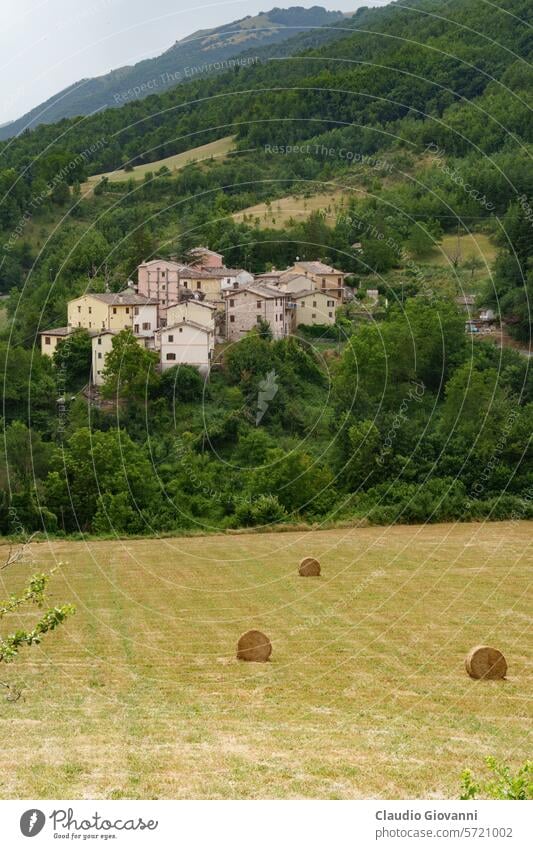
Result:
[
  {"x": 166, "y": 281},
  {"x": 204, "y": 258}
]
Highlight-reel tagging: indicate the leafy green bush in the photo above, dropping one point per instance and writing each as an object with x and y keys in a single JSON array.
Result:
[
  {"x": 502, "y": 784},
  {"x": 264, "y": 510}
]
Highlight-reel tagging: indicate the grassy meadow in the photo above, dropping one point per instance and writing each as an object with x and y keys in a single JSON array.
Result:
[
  {"x": 217, "y": 150},
  {"x": 139, "y": 695}
]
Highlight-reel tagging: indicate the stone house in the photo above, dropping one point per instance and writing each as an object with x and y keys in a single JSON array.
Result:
[{"x": 248, "y": 306}]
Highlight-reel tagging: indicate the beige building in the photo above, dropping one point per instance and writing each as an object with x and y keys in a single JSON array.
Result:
[
  {"x": 102, "y": 343},
  {"x": 186, "y": 343},
  {"x": 247, "y": 307},
  {"x": 322, "y": 276},
  {"x": 51, "y": 338},
  {"x": 101, "y": 346},
  {"x": 199, "y": 312},
  {"x": 314, "y": 307},
  {"x": 293, "y": 283}
]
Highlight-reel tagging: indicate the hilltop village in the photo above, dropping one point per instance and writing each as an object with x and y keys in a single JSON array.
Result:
[{"x": 182, "y": 310}]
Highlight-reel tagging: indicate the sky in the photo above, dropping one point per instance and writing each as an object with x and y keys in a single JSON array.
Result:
[{"x": 45, "y": 45}]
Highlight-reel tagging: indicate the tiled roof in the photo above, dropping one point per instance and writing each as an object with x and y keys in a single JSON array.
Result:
[
  {"x": 192, "y": 301},
  {"x": 183, "y": 270},
  {"x": 222, "y": 271},
  {"x": 127, "y": 297},
  {"x": 317, "y": 267},
  {"x": 185, "y": 321},
  {"x": 57, "y": 331},
  {"x": 262, "y": 289}
]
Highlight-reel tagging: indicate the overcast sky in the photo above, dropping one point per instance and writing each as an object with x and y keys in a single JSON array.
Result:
[{"x": 47, "y": 44}]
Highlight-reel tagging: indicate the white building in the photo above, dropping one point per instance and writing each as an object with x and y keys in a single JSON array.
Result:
[{"x": 186, "y": 343}]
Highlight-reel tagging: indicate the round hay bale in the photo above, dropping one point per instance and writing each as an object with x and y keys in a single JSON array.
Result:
[
  {"x": 486, "y": 662},
  {"x": 254, "y": 646},
  {"x": 309, "y": 567}
]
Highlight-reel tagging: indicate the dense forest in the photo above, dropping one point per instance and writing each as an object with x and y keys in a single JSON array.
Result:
[{"x": 396, "y": 414}]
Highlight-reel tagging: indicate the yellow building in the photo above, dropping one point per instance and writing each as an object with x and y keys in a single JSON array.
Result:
[{"x": 112, "y": 311}]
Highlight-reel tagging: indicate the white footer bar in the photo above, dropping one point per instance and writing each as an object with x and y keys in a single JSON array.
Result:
[{"x": 266, "y": 824}]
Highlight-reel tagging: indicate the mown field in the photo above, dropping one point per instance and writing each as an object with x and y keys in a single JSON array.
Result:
[
  {"x": 217, "y": 150},
  {"x": 140, "y": 694}
]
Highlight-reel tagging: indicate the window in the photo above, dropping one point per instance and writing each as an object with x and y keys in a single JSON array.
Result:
[
  {"x": 90, "y": 325},
  {"x": 114, "y": 310},
  {"x": 127, "y": 310},
  {"x": 90, "y": 310},
  {"x": 99, "y": 340},
  {"x": 314, "y": 304},
  {"x": 232, "y": 318},
  {"x": 79, "y": 309},
  {"x": 181, "y": 329},
  {"x": 323, "y": 283},
  {"x": 198, "y": 284},
  {"x": 232, "y": 303},
  {"x": 258, "y": 304},
  {"x": 163, "y": 287},
  {"x": 147, "y": 325},
  {"x": 47, "y": 340},
  {"x": 330, "y": 314},
  {"x": 135, "y": 328},
  {"x": 171, "y": 355},
  {"x": 99, "y": 355},
  {"x": 258, "y": 319},
  {"x": 163, "y": 273},
  {"x": 339, "y": 280},
  {"x": 313, "y": 315},
  {"x": 136, "y": 311},
  {"x": 185, "y": 284},
  {"x": 170, "y": 337}
]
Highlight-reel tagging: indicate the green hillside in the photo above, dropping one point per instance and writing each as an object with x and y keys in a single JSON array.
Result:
[{"x": 413, "y": 135}]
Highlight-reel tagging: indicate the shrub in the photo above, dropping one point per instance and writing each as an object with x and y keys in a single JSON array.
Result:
[
  {"x": 502, "y": 784},
  {"x": 264, "y": 510}
]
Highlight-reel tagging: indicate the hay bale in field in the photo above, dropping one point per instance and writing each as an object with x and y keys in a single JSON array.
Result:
[
  {"x": 309, "y": 567},
  {"x": 254, "y": 645},
  {"x": 486, "y": 662}
]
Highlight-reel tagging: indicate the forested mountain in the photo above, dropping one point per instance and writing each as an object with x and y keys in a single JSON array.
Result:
[
  {"x": 200, "y": 54},
  {"x": 405, "y": 417}
]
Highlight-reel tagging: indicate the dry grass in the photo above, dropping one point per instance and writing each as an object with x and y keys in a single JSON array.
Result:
[
  {"x": 296, "y": 208},
  {"x": 217, "y": 149},
  {"x": 366, "y": 695}
]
